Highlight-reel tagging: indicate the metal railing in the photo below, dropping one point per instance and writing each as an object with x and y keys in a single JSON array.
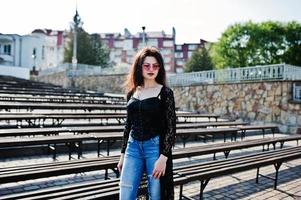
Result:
[
  {"x": 234, "y": 75},
  {"x": 230, "y": 75}
]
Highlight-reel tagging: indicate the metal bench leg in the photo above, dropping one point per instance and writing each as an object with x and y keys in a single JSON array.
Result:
[
  {"x": 52, "y": 148},
  {"x": 70, "y": 149},
  {"x": 98, "y": 147},
  {"x": 181, "y": 192},
  {"x": 106, "y": 174},
  {"x": 202, "y": 188},
  {"x": 277, "y": 166},
  {"x": 257, "y": 175},
  {"x": 184, "y": 138},
  {"x": 80, "y": 152},
  {"x": 227, "y": 153},
  {"x": 243, "y": 134},
  {"x": 108, "y": 147}
]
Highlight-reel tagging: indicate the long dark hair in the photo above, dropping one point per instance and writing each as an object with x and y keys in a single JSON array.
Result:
[{"x": 135, "y": 78}]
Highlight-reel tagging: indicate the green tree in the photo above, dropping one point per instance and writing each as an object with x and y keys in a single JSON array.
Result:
[
  {"x": 251, "y": 44},
  {"x": 89, "y": 49},
  {"x": 292, "y": 55},
  {"x": 199, "y": 61}
]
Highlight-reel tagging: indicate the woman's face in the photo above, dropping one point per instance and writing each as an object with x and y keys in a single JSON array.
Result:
[{"x": 150, "y": 68}]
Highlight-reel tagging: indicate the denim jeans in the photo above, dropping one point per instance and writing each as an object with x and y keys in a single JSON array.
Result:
[{"x": 140, "y": 156}]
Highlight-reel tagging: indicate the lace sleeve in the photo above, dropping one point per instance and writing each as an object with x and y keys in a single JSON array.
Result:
[
  {"x": 170, "y": 120},
  {"x": 126, "y": 132},
  {"x": 127, "y": 128}
]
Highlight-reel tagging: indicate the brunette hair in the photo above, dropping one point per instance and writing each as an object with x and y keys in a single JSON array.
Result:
[{"x": 135, "y": 78}]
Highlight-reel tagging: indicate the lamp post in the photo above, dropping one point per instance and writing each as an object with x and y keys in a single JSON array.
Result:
[
  {"x": 34, "y": 57},
  {"x": 143, "y": 36},
  {"x": 76, "y": 24}
]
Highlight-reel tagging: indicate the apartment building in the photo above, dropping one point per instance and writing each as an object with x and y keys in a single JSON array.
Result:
[
  {"x": 183, "y": 53},
  {"x": 123, "y": 47}
]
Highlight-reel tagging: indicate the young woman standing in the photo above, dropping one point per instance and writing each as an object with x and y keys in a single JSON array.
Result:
[{"x": 149, "y": 133}]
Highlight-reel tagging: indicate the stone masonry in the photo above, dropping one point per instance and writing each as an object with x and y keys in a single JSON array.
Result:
[{"x": 255, "y": 102}]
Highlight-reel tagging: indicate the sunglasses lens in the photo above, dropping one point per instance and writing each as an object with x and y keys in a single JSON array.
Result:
[
  {"x": 156, "y": 66},
  {"x": 148, "y": 66}
]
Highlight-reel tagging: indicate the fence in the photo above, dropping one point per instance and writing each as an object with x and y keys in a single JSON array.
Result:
[
  {"x": 230, "y": 75},
  {"x": 234, "y": 75}
]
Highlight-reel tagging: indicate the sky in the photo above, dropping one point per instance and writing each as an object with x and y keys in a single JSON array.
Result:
[{"x": 192, "y": 19}]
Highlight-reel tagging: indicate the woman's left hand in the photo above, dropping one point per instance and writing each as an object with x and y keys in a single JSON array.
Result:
[{"x": 160, "y": 166}]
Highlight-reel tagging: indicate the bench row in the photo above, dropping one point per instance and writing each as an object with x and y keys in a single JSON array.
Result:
[
  {"x": 102, "y": 136},
  {"x": 203, "y": 172}
]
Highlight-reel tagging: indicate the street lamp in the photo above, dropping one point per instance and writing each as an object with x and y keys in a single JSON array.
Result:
[
  {"x": 34, "y": 56},
  {"x": 76, "y": 24},
  {"x": 143, "y": 36}
]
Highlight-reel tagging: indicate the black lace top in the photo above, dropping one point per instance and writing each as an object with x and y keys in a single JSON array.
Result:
[
  {"x": 150, "y": 117},
  {"x": 145, "y": 117},
  {"x": 167, "y": 138}
]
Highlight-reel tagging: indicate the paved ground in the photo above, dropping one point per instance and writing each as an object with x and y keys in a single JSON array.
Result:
[{"x": 236, "y": 186}]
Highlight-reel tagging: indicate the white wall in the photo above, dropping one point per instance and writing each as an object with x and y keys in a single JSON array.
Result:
[
  {"x": 53, "y": 55},
  {"x": 19, "y": 72}
]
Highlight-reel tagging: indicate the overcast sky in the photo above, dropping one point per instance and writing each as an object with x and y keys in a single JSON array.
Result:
[{"x": 193, "y": 19}]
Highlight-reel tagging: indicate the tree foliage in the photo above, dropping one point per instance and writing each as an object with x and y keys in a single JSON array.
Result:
[
  {"x": 199, "y": 61},
  {"x": 89, "y": 49},
  {"x": 264, "y": 43}
]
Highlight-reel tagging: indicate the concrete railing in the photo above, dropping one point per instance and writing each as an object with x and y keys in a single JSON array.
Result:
[{"x": 234, "y": 75}]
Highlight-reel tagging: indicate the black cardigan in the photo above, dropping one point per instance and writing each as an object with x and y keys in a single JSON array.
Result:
[{"x": 167, "y": 140}]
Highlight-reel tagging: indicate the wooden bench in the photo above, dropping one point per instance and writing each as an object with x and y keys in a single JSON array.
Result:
[
  {"x": 29, "y": 98},
  {"x": 35, "y": 171},
  {"x": 109, "y": 134},
  {"x": 57, "y": 106},
  {"x": 100, "y": 189},
  {"x": 109, "y": 162},
  {"x": 71, "y": 141},
  {"x": 109, "y": 189},
  {"x": 203, "y": 172},
  {"x": 56, "y": 119},
  {"x": 243, "y": 129},
  {"x": 184, "y": 134}
]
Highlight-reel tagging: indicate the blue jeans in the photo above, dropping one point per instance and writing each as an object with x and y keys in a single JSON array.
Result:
[{"x": 139, "y": 156}]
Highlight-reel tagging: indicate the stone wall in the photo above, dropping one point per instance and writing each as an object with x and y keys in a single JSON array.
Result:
[
  {"x": 260, "y": 102},
  {"x": 256, "y": 102},
  {"x": 56, "y": 79},
  {"x": 103, "y": 83}
]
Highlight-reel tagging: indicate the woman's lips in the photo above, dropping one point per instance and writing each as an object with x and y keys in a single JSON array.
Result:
[{"x": 150, "y": 74}]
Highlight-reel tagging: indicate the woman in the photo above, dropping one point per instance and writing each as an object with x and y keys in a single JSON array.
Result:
[{"x": 150, "y": 128}]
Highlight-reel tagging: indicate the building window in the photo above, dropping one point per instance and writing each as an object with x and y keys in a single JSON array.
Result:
[
  {"x": 297, "y": 92},
  {"x": 7, "y": 49},
  {"x": 192, "y": 47},
  {"x": 179, "y": 54},
  {"x": 179, "y": 47}
]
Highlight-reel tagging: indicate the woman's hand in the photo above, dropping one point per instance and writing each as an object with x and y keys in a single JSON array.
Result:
[
  {"x": 120, "y": 163},
  {"x": 160, "y": 166}
]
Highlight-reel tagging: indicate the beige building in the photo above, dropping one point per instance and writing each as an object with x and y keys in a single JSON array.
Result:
[{"x": 124, "y": 46}]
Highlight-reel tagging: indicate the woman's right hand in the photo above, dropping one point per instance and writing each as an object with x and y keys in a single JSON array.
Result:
[{"x": 120, "y": 163}]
